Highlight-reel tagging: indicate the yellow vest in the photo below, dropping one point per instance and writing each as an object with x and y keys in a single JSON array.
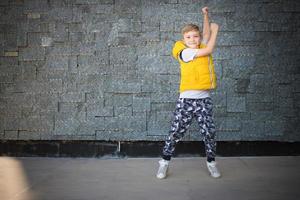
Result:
[{"x": 198, "y": 74}]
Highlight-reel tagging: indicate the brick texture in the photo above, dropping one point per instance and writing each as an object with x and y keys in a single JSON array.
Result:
[{"x": 102, "y": 69}]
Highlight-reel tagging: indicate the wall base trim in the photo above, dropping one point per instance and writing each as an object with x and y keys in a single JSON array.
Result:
[{"x": 115, "y": 149}]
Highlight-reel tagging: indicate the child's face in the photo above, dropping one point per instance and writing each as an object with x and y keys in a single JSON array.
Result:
[{"x": 191, "y": 39}]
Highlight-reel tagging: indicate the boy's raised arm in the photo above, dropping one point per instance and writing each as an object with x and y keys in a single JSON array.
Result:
[
  {"x": 211, "y": 43},
  {"x": 206, "y": 28}
]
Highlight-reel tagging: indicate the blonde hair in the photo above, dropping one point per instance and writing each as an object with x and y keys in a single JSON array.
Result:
[{"x": 190, "y": 27}]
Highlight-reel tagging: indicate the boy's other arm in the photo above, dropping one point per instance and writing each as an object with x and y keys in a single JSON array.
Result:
[
  {"x": 206, "y": 28},
  {"x": 211, "y": 43}
]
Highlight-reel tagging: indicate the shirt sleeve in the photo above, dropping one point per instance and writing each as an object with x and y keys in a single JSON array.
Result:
[{"x": 188, "y": 54}]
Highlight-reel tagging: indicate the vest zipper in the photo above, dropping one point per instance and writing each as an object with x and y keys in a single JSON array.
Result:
[{"x": 210, "y": 73}]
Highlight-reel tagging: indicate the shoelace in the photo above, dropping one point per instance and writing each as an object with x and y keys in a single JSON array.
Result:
[
  {"x": 162, "y": 168},
  {"x": 213, "y": 169}
]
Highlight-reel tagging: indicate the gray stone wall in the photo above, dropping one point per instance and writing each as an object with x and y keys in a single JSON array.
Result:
[{"x": 102, "y": 69}]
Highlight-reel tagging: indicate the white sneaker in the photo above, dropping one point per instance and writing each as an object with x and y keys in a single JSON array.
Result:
[
  {"x": 163, "y": 169},
  {"x": 213, "y": 170}
]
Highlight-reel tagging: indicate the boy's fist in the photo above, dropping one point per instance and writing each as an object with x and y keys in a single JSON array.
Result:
[
  {"x": 205, "y": 10},
  {"x": 214, "y": 27}
]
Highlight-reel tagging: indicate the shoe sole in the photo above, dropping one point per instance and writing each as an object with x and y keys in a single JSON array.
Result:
[
  {"x": 164, "y": 176},
  {"x": 215, "y": 176}
]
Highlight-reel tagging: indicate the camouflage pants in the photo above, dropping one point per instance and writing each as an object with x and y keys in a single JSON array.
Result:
[{"x": 186, "y": 110}]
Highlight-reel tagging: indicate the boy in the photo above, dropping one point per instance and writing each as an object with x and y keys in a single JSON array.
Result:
[{"x": 197, "y": 78}]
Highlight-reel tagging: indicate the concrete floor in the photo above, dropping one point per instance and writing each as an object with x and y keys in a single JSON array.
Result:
[{"x": 247, "y": 178}]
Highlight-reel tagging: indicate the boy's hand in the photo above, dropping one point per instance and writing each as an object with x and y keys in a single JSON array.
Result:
[
  {"x": 214, "y": 27},
  {"x": 205, "y": 10}
]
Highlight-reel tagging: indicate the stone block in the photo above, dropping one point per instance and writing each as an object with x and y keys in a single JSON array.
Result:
[
  {"x": 161, "y": 107},
  {"x": 73, "y": 97},
  {"x": 118, "y": 87},
  {"x": 236, "y": 104},
  {"x": 247, "y": 10},
  {"x": 57, "y": 62},
  {"x": 258, "y": 83},
  {"x": 229, "y": 136},
  {"x": 122, "y": 55},
  {"x": 155, "y": 49},
  {"x": 21, "y": 38},
  {"x": 162, "y": 97},
  {"x": 66, "y": 124},
  {"x": 85, "y": 129},
  {"x": 274, "y": 128},
  {"x": 119, "y": 136},
  {"x": 62, "y": 14},
  {"x": 91, "y": 82},
  {"x": 242, "y": 85},
  {"x": 18, "y": 101},
  {"x": 36, "y": 6},
  {"x": 11, "y": 14},
  {"x": 86, "y": 2},
  {"x": 260, "y": 106},
  {"x": 285, "y": 91},
  {"x": 123, "y": 111},
  {"x": 169, "y": 36},
  {"x": 9, "y": 42},
  {"x": 37, "y": 123},
  {"x": 122, "y": 100},
  {"x": 83, "y": 48},
  {"x": 11, "y": 123},
  {"x": 60, "y": 49},
  {"x": 297, "y": 100},
  {"x": 71, "y": 110},
  {"x": 227, "y": 85},
  {"x": 46, "y": 41},
  {"x": 94, "y": 97},
  {"x": 218, "y": 7},
  {"x": 66, "y": 127},
  {"x": 98, "y": 110},
  {"x": 33, "y": 15},
  {"x": 141, "y": 104},
  {"x": 47, "y": 103},
  {"x": 4, "y": 3},
  {"x": 130, "y": 6},
  {"x": 219, "y": 99},
  {"x": 153, "y": 36},
  {"x": 51, "y": 74},
  {"x": 60, "y": 32},
  {"x": 9, "y": 61},
  {"x": 229, "y": 38},
  {"x": 226, "y": 21},
  {"x": 222, "y": 53},
  {"x": 166, "y": 26},
  {"x": 32, "y": 53},
  {"x": 253, "y": 129},
  {"x": 125, "y": 124},
  {"x": 290, "y": 6},
  {"x": 159, "y": 123},
  {"x": 102, "y": 9},
  {"x": 76, "y": 36},
  {"x": 129, "y": 25},
  {"x": 93, "y": 64},
  {"x": 8, "y": 28},
  {"x": 228, "y": 124},
  {"x": 220, "y": 111},
  {"x": 9, "y": 76},
  {"x": 157, "y": 65},
  {"x": 11, "y": 134},
  {"x": 263, "y": 115},
  {"x": 29, "y": 135}
]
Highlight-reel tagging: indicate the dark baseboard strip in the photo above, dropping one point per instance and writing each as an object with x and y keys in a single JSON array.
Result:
[{"x": 112, "y": 149}]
